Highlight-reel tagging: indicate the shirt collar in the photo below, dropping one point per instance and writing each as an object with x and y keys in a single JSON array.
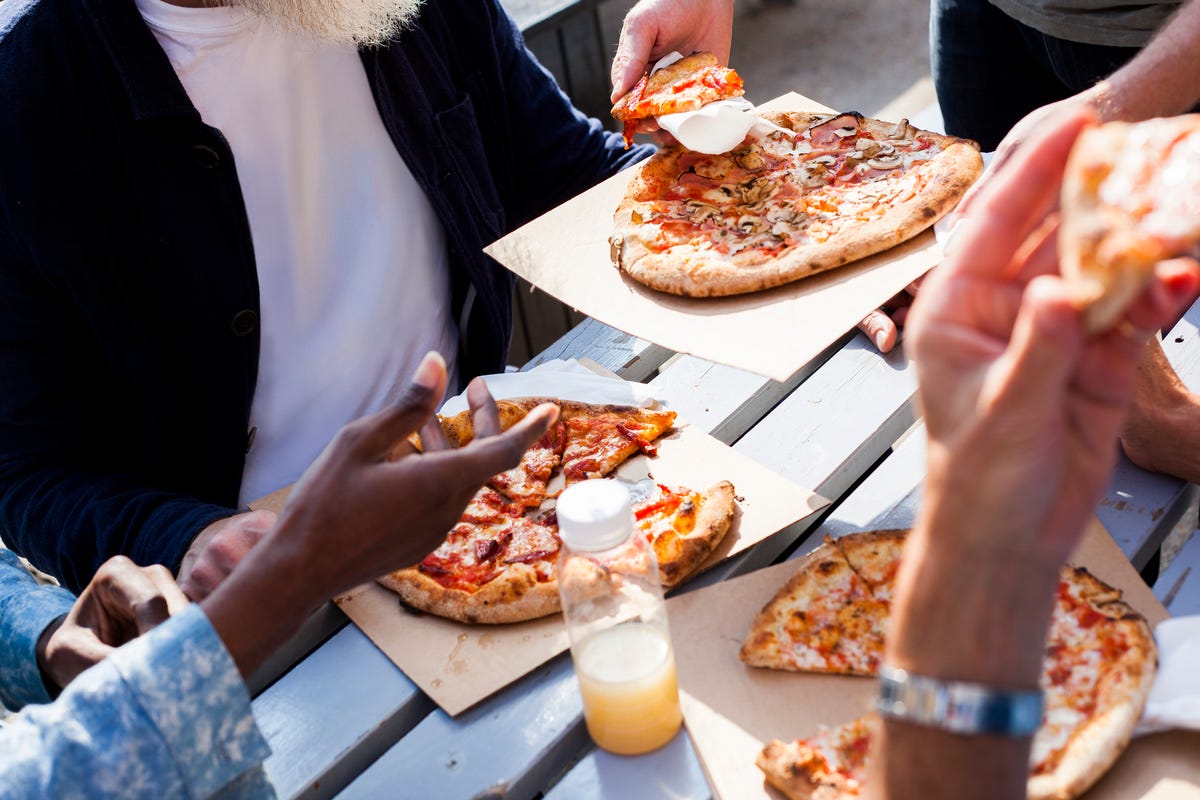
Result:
[{"x": 149, "y": 79}]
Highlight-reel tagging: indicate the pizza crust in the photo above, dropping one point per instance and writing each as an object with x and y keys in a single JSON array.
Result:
[
  {"x": 515, "y": 596},
  {"x": 680, "y": 556}
]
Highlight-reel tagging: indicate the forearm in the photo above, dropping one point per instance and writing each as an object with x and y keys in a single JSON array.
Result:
[
  {"x": 1162, "y": 80},
  {"x": 264, "y": 600},
  {"x": 1162, "y": 432},
  {"x": 975, "y": 617}
]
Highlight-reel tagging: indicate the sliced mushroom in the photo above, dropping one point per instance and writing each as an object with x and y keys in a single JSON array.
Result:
[
  {"x": 699, "y": 212},
  {"x": 845, "y": 132},
  {"x": 751, "y": 159},
  {"x": 802, "y": 147},
  {"x": 783, "y": 228},
  {"x": 824, "y": 161},
  {"x": 900, "y": 131},
  {"x": 757, "y": 189},
  {"x": 885, "y": 162},
  {"x": 866, "y": 148},
  {"x": 751, "y": 224}
]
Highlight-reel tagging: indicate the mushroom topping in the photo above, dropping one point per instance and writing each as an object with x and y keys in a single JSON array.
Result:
[
  {"x": 750, "y": 224},
  {"x": 699, "y": 212},
  {"x": 802, "y": 147},
  {"x": 866, "y": 148},
  {"x": 757, "y": 189},
  {"x": 752, "y": 159},
  {"x": 783, "y": 228},
  {"x": 844, "y": 132},
  {"x": 884, "y": 162},
  {"x": 900, "y": 131},
  {"x": 824, "y": 161}
]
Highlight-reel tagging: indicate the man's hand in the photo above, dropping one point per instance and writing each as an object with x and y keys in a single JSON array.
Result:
[
  {"x": 1162, "y": 431},
  {"x": 219, "y": 548},
  {"x": 365, "y": 508},
  {"x": 882, "y": 326},
  {"x": 122, "y": 602},
  {"x": 1022, "y": 409},
  {"x": 654, "y": 28}
]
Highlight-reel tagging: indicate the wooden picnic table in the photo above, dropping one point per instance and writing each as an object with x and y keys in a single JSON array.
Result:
[{"x": 345, "y": 722}]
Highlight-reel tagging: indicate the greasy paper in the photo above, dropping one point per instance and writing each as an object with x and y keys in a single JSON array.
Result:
[
  {"x": 731, "y": 710},
  {"x": 458, "y": 665},
  {"x": 566, "y": 254}
]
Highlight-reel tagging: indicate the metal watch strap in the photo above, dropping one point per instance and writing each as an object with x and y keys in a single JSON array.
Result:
[{"x": 965, "y": 708}]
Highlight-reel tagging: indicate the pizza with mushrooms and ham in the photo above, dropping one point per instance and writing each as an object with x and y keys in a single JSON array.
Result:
[{"x": 816, "y": 192}]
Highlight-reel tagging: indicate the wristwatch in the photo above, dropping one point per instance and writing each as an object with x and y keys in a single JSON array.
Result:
[{"x": 958, "y": 707}]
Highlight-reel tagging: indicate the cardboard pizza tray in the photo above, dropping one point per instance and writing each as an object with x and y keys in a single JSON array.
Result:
[
  {"x": 731, "y": 710},
  {"x": 565, "y": 253},
  {"x": 458, "y": 665}
]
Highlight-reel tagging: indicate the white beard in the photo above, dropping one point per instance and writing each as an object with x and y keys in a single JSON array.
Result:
[{"x": 356, "y": 22}]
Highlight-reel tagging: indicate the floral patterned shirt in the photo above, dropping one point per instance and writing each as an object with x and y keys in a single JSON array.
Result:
[
  {"x": 26, "y": 608},
  {"x": 165, "y": 716}
]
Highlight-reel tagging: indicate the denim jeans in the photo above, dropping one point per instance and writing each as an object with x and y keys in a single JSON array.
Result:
[{"x": 990, "y": 70}]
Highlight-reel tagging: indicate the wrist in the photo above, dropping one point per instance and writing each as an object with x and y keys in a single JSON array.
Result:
[
  {"x": 47, "y": 658},
  {"x": 970, "y": 614}
]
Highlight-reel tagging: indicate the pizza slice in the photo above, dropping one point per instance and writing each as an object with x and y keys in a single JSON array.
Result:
[
  {"x": 829, "y": 766},
  {"x": 824, "y": 619},
  {"x": 687, "y": 85},
  {"x": 526, "y": 482},
  {"x": 1130, "y": 198},
  {"x": 683, "y": 526},
  {"x": 875, "y": 557},
  {"x": 600, "y": 438}
]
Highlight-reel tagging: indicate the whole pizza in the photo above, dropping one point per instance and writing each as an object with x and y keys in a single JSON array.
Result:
[
  {"x": 499, "y": 563},
  {"x": 831, "y": 617},
  {"x": 816, "y": 192}
]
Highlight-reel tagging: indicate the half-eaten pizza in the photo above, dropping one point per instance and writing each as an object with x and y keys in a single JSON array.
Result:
[
  {"x": 498, "y": 563},
  {"x": 831, "y": 617}
]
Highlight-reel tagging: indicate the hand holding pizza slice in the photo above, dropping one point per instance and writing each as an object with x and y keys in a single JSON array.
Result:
[{"x": 688, "y": 84}]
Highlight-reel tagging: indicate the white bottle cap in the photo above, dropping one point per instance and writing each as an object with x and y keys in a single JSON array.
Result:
[{"x": 595, "y": 514}]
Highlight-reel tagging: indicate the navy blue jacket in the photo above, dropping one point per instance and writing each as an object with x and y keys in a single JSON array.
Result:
[{"x": 128, "y": 291}]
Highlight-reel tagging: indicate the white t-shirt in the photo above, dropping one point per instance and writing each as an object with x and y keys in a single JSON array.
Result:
[{"x": 352, "y": 272}]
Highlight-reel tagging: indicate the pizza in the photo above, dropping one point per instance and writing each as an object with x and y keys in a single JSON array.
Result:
[
  {"x": 828, "y": 766},
  {"x": 831, "y": 616},
  {"x": 1130, "y": 198},
  {"x": 1097, "y": 670},
  {"x": 817, "y": 192},
  {"x": 498, "y": 564},
  {"x": 686, "y": 85}
]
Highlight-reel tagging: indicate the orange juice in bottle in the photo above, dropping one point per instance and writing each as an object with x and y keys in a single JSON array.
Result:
[{"x": 617, "y": 621}]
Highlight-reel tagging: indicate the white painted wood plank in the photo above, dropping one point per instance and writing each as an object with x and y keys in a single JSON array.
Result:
[
  {"x": 508, "y": 746},
  {"x": 672, "y": 772},
  {"x": 1182, "y": 347},
  {"x": 1178, "y": 588},
  {"x": 628, "y": 356},
  {"x": 323, "y": 624},
  {"x": 333, "y": 714}
]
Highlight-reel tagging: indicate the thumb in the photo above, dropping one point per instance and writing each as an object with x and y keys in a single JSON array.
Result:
[
  {"x": 633, "y": 52},
  {"x": 415, "y": 406}
]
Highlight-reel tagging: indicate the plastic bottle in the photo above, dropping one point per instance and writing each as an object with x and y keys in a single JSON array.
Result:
[{"x": 617, "y": 621}]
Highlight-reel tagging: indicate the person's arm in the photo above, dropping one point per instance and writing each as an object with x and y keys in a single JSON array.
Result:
[
  {"x": 28, "y": 613},
  {"x": 1162, "y": 433},
  {"x": 550, "y": 150},
  {"x": 167, "y": 715},
  {"x": 64, "y": 506},
  {"x": 1021, "y": 409},
  {"x": 362, "y": 510}
]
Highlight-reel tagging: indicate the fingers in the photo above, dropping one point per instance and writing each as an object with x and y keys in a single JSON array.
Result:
[
  {"x": 378, "y": 434},
  {"x": 433, "y": 438},
  {"x": 1046, "y": 341},
  {"x": 224, "y": 552},
  {"x": 880, "y": 329},
  {"x": 485, "y": 417},
  {"x": 131, "y": 600},
  {"x": 484, "y": 457},
  {"x": 1014, "y": 200}
]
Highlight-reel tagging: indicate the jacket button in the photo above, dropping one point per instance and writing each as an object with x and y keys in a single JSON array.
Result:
[
  {"x": 245, "y": 322},
  {"x": 206, "y": 157},
  {"x": 250, "y": 434}
]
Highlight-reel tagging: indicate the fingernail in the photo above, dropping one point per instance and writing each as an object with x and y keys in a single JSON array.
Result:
[
  {"x": 881, "y": 339},
  {"x": 429, "y": 370}
]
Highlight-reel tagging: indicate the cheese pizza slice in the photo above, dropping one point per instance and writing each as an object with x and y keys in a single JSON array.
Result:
[
  {"x": 600, "y": 438},
  {"x": 1130, "y": 198},
  {"x": 687, "y": 85}
]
